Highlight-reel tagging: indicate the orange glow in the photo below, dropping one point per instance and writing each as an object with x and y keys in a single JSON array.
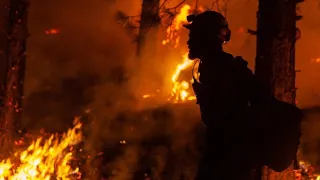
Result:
[
  {"x": 173, "y": 35},
  {"x": 44, "y": 159},
  {"x": 181, "y": 89},
  {"x": 52, "y": 31},
  {"x": 307, "y": 170},
  {"x": 315, "y": 60}
]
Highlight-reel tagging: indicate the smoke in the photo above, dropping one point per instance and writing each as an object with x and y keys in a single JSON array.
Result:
[
  {"x": 85, "y": 62},
  {"x": 82, "y": 62},
  {"x": 310, "y": 140},
  {"x": 89, "y": 68}
]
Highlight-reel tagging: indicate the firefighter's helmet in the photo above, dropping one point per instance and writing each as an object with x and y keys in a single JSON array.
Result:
[{"x": 211, "y": 22}]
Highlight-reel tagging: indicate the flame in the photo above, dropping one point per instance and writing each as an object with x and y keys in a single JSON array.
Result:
[
  {"x": 173, "y": 35},
  {"x": 306, "y": 170},
  {"x": 180, "y": 90},
  {"x": 44, "y": 160},
  {"x": 146, "y": 96}
]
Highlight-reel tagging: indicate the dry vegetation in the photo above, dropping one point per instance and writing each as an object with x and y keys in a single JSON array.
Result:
[{"x": 82, "y": 62}]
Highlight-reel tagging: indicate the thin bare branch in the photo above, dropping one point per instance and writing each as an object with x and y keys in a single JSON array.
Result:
[
  {"x": 163, "y": 3},
  {"x": 130, "y": 23},
  {"x": 178, "y": 5},
  {"x": 216, "y": 2},
  {"x": 225, "y": 8},
  {"x": 221, "y": 6}
]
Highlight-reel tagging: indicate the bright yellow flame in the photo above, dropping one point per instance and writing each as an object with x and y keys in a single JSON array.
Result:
[
  {"x": 44, "y": 160},
  {"x": 173, "y": 35},
  {"x": 181, "y": 89}
]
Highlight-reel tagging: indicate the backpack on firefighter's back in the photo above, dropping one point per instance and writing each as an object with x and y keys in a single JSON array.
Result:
[{"x": 282, "y": 138}]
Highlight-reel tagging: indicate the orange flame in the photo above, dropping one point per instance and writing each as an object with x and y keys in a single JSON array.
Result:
[
  {"x": 180, "y": 90},
  {"x": 44, "y": 160},
  {"x": 307, "y": 170},
  {"x": 173, "y": 35}
]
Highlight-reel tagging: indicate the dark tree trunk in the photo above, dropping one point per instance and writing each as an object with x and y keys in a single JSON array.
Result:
[
  {"x": 148, "y": 20},
  {"x": 275, "y": 61},
  {"x": 13, "y": 69},
  {"x": 4, "y": 13}
]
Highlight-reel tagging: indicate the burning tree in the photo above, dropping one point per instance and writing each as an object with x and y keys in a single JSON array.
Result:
[
  {"x": 275, "y": 61},
  {"x": 152, "y": 14},
  {"x": 180, "y": 91},
  {"x": 12, "y": 67}
]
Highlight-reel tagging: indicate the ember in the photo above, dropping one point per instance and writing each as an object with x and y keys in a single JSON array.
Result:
[
  {"x": 45, "y": 159},
  {"x": 52, "y": 31},
  {"x": 306, "y": 172},
  {"x": 316, "y": 60}
]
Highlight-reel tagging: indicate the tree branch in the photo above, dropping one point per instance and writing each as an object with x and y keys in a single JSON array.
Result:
[
  {"x": 131, "y": 23},
  {"x": 217, "y": 4},
  {"x": 177, "y": 6}
]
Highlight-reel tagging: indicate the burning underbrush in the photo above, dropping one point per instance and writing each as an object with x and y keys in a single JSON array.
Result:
[
  {"x": 307, "y": 172},
  {"x": 309, "y": 146},
  {"x": 155, "y": 143},
  {"x": 45, "y": 159}
]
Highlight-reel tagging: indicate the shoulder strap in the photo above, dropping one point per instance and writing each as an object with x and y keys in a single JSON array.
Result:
[{"x": 194, "y": 78}]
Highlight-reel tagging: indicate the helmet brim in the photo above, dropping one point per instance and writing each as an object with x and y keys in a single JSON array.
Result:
[{"x": 187, "y": 26}]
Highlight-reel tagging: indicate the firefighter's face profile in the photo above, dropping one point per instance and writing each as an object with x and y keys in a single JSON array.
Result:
[
  {"x": 201, "y": 43},
  {"x": 194, "y": 45}
]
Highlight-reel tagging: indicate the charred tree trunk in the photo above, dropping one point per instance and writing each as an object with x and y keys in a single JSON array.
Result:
[
  {"x": 13, "y": 69},
  {"x": 275, "y": 61},
  {"x": 4, "y": 13},
  {"x": 149, "y": 18}
]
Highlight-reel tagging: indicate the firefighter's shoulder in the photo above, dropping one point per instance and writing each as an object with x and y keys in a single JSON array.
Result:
[
  {"x": 237, "y": 60},
  {"x": 240, "y": 61}
]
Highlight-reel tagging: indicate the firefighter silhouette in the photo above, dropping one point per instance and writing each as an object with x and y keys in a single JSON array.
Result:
[{"x": 241, "y": 134}]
